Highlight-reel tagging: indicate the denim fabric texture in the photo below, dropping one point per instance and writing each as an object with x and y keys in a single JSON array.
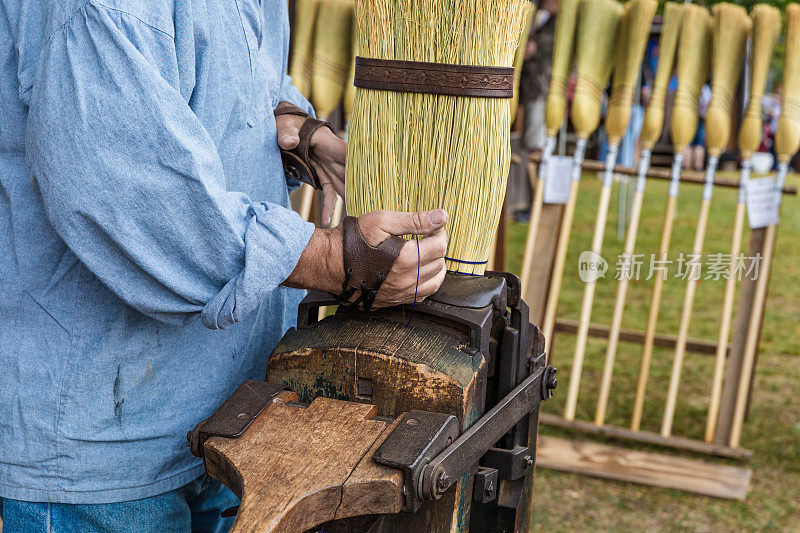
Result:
[
  {"x": 144, "y": 231},
  {"x": 195, "y": 507}
]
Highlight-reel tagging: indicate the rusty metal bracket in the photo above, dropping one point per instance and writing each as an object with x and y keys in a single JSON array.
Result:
[
  {"x": 419, "y": 437},
  {"x": 235, "y": 415}
]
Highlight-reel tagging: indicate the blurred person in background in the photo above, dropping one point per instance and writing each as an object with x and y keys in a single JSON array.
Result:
[{"x": 535, "y": 79}]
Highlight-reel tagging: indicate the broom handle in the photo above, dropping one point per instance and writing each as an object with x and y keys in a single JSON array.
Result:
[
  {"x": 589, "y": 288},
  {"x": 561, "y": 249},
  {"x": 536, "y": 212},
  {"x": 727, "y": 304},
  {"x": 655, "y": 302},
  {"x": 622, "y": 289},
  {"x": 306, "y": 200},
  {"x": 751, "y": 342},
  {"x": 688, "y": 302}
]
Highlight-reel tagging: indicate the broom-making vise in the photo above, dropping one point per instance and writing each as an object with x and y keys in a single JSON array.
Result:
[{"x": 416, "y": 418}]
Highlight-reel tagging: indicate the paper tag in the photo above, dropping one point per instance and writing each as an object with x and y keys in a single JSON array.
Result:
[
  {"x": 762, "y": 202},
  {"x": 557, "y": 181}
]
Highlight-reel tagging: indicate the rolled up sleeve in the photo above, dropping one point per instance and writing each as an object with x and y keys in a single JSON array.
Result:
[{"x": 133, "y": 183}]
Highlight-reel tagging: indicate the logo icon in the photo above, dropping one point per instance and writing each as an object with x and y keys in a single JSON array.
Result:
[{"x": 591, "y": 266}]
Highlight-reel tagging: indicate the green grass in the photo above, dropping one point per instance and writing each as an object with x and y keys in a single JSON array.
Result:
[{"x": 566, "y": 502}]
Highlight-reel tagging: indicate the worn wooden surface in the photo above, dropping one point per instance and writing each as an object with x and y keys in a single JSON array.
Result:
[
  {"x": 294, "y": 467},
  {"x": 622, "y": 464},
  {"x": 372, "y": 358}
]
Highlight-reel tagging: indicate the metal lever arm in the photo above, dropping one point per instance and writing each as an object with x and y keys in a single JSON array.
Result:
[{"x": 466, "y": 451}]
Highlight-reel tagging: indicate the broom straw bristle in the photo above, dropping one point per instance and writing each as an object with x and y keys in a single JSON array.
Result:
[
  {"x": 631, "y": 42},
  {"x": 668, "y": 44},
  {"x": 731, "y": 28},
  {"x": 563, "y": 56},
  {"x": 598, "y": 24},
  {"x": 787, "y": 136},
  {"x": 693, "y": 58},
  {"x": 766, "y": 24}
]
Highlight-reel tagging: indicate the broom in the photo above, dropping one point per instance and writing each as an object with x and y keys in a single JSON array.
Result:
[
  {"x": 598, "y": 25},
  {"x": 332, "y": 51},
  {"x": 634, "y": 30},
  {"x": 305, "y": 13},
  {"x": 731, "y": 28},
  {"x": 519, "y": 57},
  {"x": 555, "y": 111},
  {"x": 766, "y": 24},
  {"x": 651, "y": 132},
  {"x": 416, "y": 151},
  {"x": 787, "y": 142},
  {"x": 695, "y": 39}
]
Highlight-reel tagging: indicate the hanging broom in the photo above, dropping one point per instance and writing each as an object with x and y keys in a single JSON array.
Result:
[
  {"x": 412, "y": 151},
  {"x": 305, "y": 13},
  {"x": 519, "y": 57},
  {"x": 731, "y": 28},
  {"x": 651, "y": 132},
  {"x": 555, "y": 112},
  {"x": 332, "y": 51},
  {"x": 787, "y": 142},
  {"x": 597, "y": 31},
  {"x": 630, "y": 43},
  {"x": 693, "y": 58},
  {"x": 766, "y": 24}
]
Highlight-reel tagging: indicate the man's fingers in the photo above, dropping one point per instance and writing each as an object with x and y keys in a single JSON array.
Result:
[
  {"x": 433, "y": 246},
  {"x": 329, "y": 197},
  {"x": 288, "y": 141},
  {"x": 418, "y": 223},
  {"x": 430, "y": 286}
]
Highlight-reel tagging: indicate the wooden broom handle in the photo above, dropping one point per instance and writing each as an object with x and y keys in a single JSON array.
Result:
[{"x": 536, "y": 212}]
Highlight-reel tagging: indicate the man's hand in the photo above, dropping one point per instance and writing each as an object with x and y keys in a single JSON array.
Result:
[
  {"x": 327, "y": 153},
  {"x": 321, "y": 265}
]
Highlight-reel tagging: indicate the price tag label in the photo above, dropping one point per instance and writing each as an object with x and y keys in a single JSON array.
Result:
[
  {"x": 558, "y": 180},
  {"x": 762, "y": 202}
]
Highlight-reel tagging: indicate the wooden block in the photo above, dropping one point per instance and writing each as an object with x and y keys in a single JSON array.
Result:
[
  {"x": 621, "y": 464},
  {"x": 289, "y": 467}
]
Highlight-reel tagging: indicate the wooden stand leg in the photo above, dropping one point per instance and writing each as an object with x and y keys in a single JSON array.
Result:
[
  {"x": 725, "y": 324},
  {"x": 753, "y": 331},
  {"x": 533, "y": 228}
]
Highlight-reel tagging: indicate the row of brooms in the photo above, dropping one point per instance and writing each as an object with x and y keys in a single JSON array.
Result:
[{"x": 599, "y": 37}]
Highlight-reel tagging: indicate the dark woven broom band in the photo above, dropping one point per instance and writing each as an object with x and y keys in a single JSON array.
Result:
[{"x": 434, "y": 78}]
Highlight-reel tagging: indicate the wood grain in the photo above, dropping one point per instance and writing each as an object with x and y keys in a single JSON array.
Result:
[
  {"x": 290, "y": 466},
  {"x": 621, "y": 464}
]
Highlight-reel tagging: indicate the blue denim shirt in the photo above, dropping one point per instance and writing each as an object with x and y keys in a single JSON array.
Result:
[{"x": 144, "y": 232}]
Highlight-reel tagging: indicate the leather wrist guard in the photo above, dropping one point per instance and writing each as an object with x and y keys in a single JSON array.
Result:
[
  {"x": 296, "y": 162},
  {"x": 365, "y": 266}
]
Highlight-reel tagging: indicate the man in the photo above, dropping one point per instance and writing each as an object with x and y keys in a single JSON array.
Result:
[
  {"x": 535, "y": 79},
  {"x": 147, "y": 249}
]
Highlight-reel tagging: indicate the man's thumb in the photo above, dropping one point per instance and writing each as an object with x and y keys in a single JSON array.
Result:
[{"x": 420, "y": 222}]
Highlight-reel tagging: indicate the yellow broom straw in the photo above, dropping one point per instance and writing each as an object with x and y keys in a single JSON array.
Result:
[
  {"x": 695, "y": 42},
  {"x": 348, "y": 100},
  {"x": 305, "y": 14},
  {"x": 631, "y": 40},
  {"x": 766, "y": 24},
  {"x": 598, "y": 25},
  {"x": 555, "y": 111},
  {"x": 654, "y": 117},
  {"x": 731, "y": 28},
  {"x": 787, "y": 142}
]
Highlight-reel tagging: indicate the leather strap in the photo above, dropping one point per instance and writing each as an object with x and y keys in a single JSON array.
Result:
[
  {"x": 365, "y": 266},
  {"x": 434, "y": 78},
  {"x": 297, "y": 162}
]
